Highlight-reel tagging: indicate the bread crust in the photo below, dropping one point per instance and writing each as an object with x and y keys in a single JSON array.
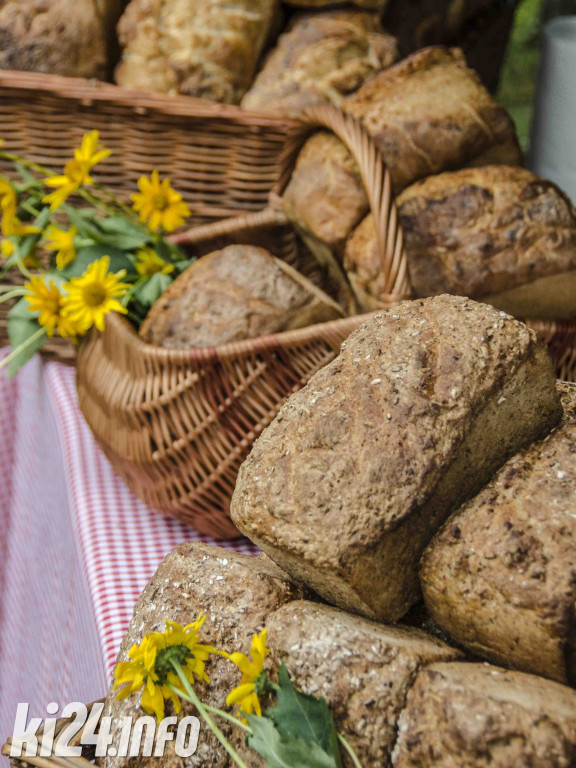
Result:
[
  {"x": 203, "y": 48},
  {"x": 462, "y": 715},
  {"x": 239, "y": 292},
  {"x": 430, "y": 113},
  {"x": 363, "y": 669},
  {"x": 482, "y": 231},
  {"x": 321, "y": 58},
  {"x": 423, "y": 403},
  {"x": 500, "y": 577}
]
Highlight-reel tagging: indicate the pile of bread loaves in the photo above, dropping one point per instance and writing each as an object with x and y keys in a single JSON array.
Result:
[{"x": 434, "y": 457}]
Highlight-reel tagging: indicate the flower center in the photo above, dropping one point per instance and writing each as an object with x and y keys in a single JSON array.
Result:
[
  {"x": 94, "y": 295},
  {"x": 165, "y": 658},
  {"x": 160, "y": 201}
]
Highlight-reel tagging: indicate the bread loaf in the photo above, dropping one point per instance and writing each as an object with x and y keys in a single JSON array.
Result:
[
  {"x": 431, "y": 113},
  {"x": 348, "y": 484},
  {"x": 471, "y": 715},
  {"x": 60, "y": 37},
  {"x": 498, "y": 232},
  {"x": 198, "y": 48},
  {"x": 370, "y": 5},
  {"x": 237, "y": 592},
  {"x": 237, "y": 293},
  {"x": 501, "y": 575},
  {"x": 321, "y": 58},
  {"x": 363, "y": 669}
]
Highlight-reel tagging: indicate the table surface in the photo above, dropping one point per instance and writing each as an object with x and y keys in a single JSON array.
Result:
[{"x": 76, "y": 547}]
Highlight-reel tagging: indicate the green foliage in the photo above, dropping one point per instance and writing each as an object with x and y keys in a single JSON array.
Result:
[
  {"x": 298, "y": 731},
  {"x": 22, "y": 326}
]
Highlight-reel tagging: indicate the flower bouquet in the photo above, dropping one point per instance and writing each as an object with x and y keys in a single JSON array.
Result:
[{"x": 100, "y": 255}]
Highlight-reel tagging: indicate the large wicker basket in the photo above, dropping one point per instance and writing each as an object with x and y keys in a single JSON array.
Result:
[
  {"x": 222, "y": 159},
  {"x": 176, "y": 425}
]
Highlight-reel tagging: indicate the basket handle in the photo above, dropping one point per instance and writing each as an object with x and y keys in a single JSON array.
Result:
[
  {"x": 375, "y": 177},
  {"x": 266, "y": 217}
]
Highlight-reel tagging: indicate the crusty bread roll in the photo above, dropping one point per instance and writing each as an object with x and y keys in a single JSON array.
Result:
[
  {"x": 205, "y": 48},
  {"x": 348, "y": 484},
  {"x": 501, "y": 575},
  {"x": 237, "y": 293},
  {"x": 363, "y": 669},
  {"x": 462, "y": 715},
  {"x": 430, "y": 113},
  {"x": 237, "y": 592},
  {"x": 498, "y": 233},
  {"x": 60, "y": 37},
  {"x": 321, "y": 58}
]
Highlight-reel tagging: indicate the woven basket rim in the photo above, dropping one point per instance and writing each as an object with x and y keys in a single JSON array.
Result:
[
  {"x": 126, "y": 331},
  {"x": 87, "y": 91}
]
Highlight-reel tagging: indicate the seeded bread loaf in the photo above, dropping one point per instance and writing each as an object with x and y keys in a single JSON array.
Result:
[
  {"x": 462, "y": 715},
  {"x": 60, "y": 37},
  {"x": 194, "y": 47},
  {"x": 500, "y": 577},
  {"x": 348, "y": 484},
  {"x": 363, "y": 669},
  {"x": 237, "y": 592},
  {"x": 237, "y": 293},
  {"x": 321, "y": 58}
]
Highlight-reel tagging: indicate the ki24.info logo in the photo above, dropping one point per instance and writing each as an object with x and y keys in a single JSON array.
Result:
[{"x": 142, "y": 736}]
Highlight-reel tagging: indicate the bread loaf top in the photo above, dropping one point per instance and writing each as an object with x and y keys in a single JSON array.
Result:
[
  {"x": 430, "y": 113},
  {"x": 480, "y": 231},
  {"x": 364, "y": 444},
  {"x": 321, "y": 58}
]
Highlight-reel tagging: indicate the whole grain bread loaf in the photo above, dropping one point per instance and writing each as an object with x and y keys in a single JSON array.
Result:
[
  {"x": 194, "y": 47},
  {"x": 237, "y": 592},
  {"x": 60, "y": 37},
  {"x": 237, "y": 293},
  {"x": 348, "y": 484},
  {"x": 497, "y": 232},
  {"x": 500, "y": 577},
  {"x": 462, "y": 715},
  {"x": 363, "y": 669},
  {"x": 321, "y": 58}
]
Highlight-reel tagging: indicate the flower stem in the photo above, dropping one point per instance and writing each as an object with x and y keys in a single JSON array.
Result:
[
  {"x": 193, "y": 699},
  {"x": 24, "y": 346},
  {"x": 13, "y": 294},
  {"x": 347, "y": 746}
]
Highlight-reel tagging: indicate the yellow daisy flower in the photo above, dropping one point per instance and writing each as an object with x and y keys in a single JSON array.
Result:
[
  {"x": 93, "y": 295},
  {"x": 76, "y": 171},
  {"x": 149, "y": 263},
  {"x": 158, "y": 204},
  {"x": 8, "y": 198},
  {"x": 246, "y": 694},
  {"x": 151, "y": 665},
  {"x": 6, "y": 248},
  {"x": 62, "y": 241},
  {"x": 13, "y": 227},
  {"x": 46, "y": 299}
]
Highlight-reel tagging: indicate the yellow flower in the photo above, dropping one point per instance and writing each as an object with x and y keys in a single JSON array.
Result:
[
  {"x": 152, "y": 665},
  {"x": 46, "y": 299},
  {"x": 6, "y": 248},
  {"x": 149, "y": 263},
  {"x": 76, "y": 171},
  {"x": 158, "y": 204},
  {"x": 94, "y": 294},
  {"x": 246, "y": 695},
  {"x": 8, "y": 198},
  {"x": 62, "y": 241},
  {"x": 13, "y": 227}
]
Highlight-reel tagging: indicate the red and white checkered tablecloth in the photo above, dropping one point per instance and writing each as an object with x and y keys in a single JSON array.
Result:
[{"x": 76, "y": 547}]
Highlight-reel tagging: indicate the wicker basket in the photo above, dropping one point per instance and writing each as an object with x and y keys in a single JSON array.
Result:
[{"x": 222, "y": 159}]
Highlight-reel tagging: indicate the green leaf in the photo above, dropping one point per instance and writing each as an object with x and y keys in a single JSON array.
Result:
[
  {"x": 299, "y": 715},
  {"x": 22, "y": 325},
  {"x": 148, "y": 292},
  {"x": 282, "y": 751},
  {"x": 85, "y": 256},
  {"x": 122, "y": 233}
]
